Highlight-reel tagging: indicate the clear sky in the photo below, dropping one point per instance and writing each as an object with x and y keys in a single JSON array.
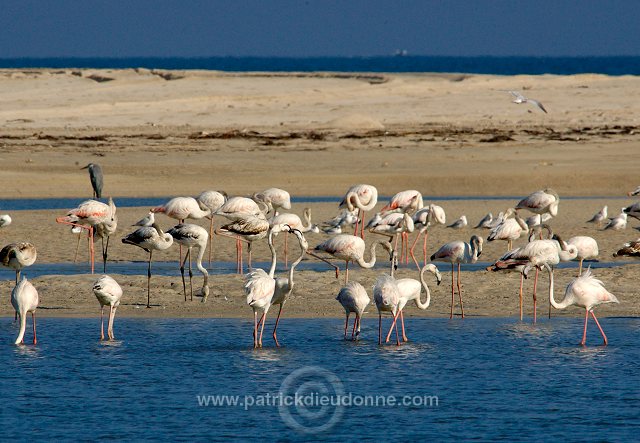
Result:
[{"x": 190, "y": 28}]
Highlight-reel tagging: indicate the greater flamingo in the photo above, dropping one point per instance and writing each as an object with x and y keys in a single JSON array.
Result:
[
  {"x": 510, "y": 229},
  {"x": 87, "y": 215},
  {"x": 599, "y": 217},
  {"x": 246, "y": 229},
  {"x": 405, "y": 201},
  {"x": 108, "y": 292},
  {"x": 361, "y": 197},
  {"x": 545, "y": 201},
  {"x": 211, "y": 201},
  {"x": 105, "y": 229},
  {"x": 386, "y": 296},
  {"x": 423, "y": 220},
  {"x": 350, "y": 248},
  {"x": 24, "y": 299},
  {"x": 391, "y": 225},
  {"x": 190, "y": 235},
  {"x": 586, "y": 292},
  {"x": 353, "y": 298},
  {"x": 457, "y": 252},
  {"x": 260, "y": 287},
  {"x": 587, "y": 249},
  {"x": 276, "y": 198},
  {"x": 182, "y": 208},
  {"x": 149, "y": 238},
  {"x": 294, "y": 222},
  {"x": 18, "y": 256},
  {"x": 411, "y": 289}
]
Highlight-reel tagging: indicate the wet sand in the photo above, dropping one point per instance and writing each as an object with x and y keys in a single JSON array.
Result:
[{"x": 156, "y": 135}]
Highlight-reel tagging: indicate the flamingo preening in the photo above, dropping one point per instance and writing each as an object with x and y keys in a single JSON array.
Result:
[{"x": 363, "y": 198}]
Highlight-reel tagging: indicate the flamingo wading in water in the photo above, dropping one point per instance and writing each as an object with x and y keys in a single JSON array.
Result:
[
  {"x": 24, "y": 299},
  {"x": 108, "y": 292},
  {"x": 353, "y": 298}
]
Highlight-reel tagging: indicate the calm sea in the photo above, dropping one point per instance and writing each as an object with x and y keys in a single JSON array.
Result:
[
  {"x": 478, "y": 65},
  {"x": 479, "y": 378}
]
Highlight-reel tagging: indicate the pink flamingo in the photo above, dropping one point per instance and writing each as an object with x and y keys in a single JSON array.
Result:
[
  {"x": 386, "y": 295},
  {"x": 545, "y": 201},
  {"x": 211, "y": 201},
  {"x": 423, "y": 220},
  {"x": 294, "y": 222},
  {"x": 275, "y": 198},
  {"x": 108, "y": 292},
  {"x": 362, "y": 197},
  {"x": 353, "y": 298},
  {"x": 391, "y": 225},
  {"x": 586, "y": 292},
  {"x": 405, "y": 201},
  {"x": 24, "y": 299}
]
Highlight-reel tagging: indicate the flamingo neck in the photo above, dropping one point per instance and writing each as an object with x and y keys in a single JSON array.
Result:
[
  {"x": 419, "y": 303},
  {"x": 372, "y": 259},
  {"x": 272, "y": 269}
]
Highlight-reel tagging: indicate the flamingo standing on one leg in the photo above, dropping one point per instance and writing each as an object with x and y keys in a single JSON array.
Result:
[
  {"x": 350, "y": 248},
  {"x": 104, "y": 230},
  {"x": 108, "y": 292},
  {"x": 457, "y": 252},
  {"x": 247, "y": 229},
  {"x": 423, "y": 220},
  {"x": 191, "y": 235},
  {"x": 149, "y": 238},
  {"x": 586, "y": 292},
  {"x": 362, "y": 197},
  {"x": 211, "y": 201},
  {"x": 87, "y": 215},
  {"x": 411, "y": 289},
  {"x": 24, "y": 299},
  {"x": 353, "y": 298}
]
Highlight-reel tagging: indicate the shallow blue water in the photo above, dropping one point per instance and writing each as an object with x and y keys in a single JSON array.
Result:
[{"x": 494, "y": 379}]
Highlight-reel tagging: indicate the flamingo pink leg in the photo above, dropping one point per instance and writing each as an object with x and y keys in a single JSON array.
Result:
[
  {"x": 404, "y": 336},
  {"x": 346, "y": 325},
  {"x": 606, "y": 342},
  {"x": 397, "y": 336},
  {"x": 584, "y": 332},
  {"x": 521, "y": 283},
  {"x": 452, "y": 292},
  {"x": 424, "y": 246},
  {"x": 264, "y": 320},
  {"x": 358, "y": 330},
  {"x": 102, "y": 323},
  {"x": 379, "y": 328},
  {"x": 535, "y": 299},
  {"x": 395, "y": 318},
  {"x": 362, "y": 226},
  {"x": 255, "y": 329},
  {"x": 353, "y": 331},
  {"x": 413, "y": 246},
  {"x": 460, "y": 292},
  {"x": 35, "y": 340},
  {"x": 275, "y": 328}
]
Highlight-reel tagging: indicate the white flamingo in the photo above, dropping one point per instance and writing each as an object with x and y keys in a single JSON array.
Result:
[
  {"x": 24, "y": 299},
  {"x": 423, "y": 220},
  {"x": 509, "y": 230},
  {"x": 587, "y": 249},
  {"x": 353, "y": 298},
  {"x": 88, "y": 214},
  {"x": 108, "y": 292},
  {"x": 586, "y": 292},
  {"x": 361, "y": 197},
  {"x": 260, "y": 287},
  {"x": 190, "y": 235},
  {"x": 457, "y": 252},
  {"x": 182, "y": 208},
  {"x": 350, "y": 249},
  {"x": 294, "y": 222},
  {"x": 149, "y": 238},
  {"x": 391, "y": 225},
  {"x": 211, "y": 201},
  {"x": 276, "y": 198},
  {"x": 386, "y": 296},
  {"x": 18, "y": 256},
  {"x": 411, "y": 289},
  {"x": 545, "y": 201}
]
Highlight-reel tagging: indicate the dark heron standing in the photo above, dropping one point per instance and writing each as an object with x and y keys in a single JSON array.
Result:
[{"x": 95, "y": 174}]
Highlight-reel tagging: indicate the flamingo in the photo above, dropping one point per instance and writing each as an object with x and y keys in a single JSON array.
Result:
[
  {"x": 24, "y": 299},
  {"x": 537, "y": 220},
  {"x": 108, "y": 292},
  {"x": 510, "y": 229},
  {"x": 587, "y": 249},
  {"x": 617, "y": 223},
  {"x": 284, "y": 286},
  {"x": 459, "y": 223},
  {"x": 411, "y": 289},
  {"x": 247, "y": 229},
  {"x": 275, "y": 198},
  {"x": 545, "y": 201},
  {"x": 191, "y": 235},
  {"x": 105, "y": 229},
  {"x": 586, "y": 292},
  {"x": 630, "y": 249},
  {"x": 457, "y": 252},
  {"x": 386, "y": 295},
  {"x": 599, "y": 217},
  {"x": 88, "y": 214},
  {"x": 393, "y": 224},
  {"x": 350, "y": 248},
  {"x": 405, "y": 201},
  {"x": 353, "y": 298},
  {"x": 361, "y": 197},
  {"x": 633, "y": 210},
  {"x": 182, "y": 208},
  {"x": 18, "y": 256},
  {"x": 149, "y": 238},
  {"x": 5, "y": 220},
  {"x": 211, "y": 201},
  {"x": 294, "y": 222},
  {"x": 423, "y": 220},
  {"x": 260, "y": 287}
]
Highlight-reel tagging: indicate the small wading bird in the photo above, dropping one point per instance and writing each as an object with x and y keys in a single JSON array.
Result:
[
  {"x": 518, "y": 98},
  {"x": 24, "y": 299},
  {"x": 5, "y": 220},
  {"x": 457, "y": 252},
  {"x": 108, "y": 292},
  {"x": 149, "y": 238},
  {"x": 599, "y": 217},
  {"x": 459, "y": 223},
  {"x": 353, "y": 298},
  {"x": 586, "y": 292},
  {"x": 97, "y": 180},
  {"x": 363, "y": 198},
  {"x": 190, "y": 235}
]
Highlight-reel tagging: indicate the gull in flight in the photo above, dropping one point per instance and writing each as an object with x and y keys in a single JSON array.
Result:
[{"x": 519, "y": 99}]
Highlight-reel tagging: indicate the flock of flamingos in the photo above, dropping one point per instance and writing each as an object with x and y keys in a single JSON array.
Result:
[{"x": 256, "y": 218}]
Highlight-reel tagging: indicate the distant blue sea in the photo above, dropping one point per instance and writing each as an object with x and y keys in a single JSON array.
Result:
[{"x": 620, "y": 65}]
